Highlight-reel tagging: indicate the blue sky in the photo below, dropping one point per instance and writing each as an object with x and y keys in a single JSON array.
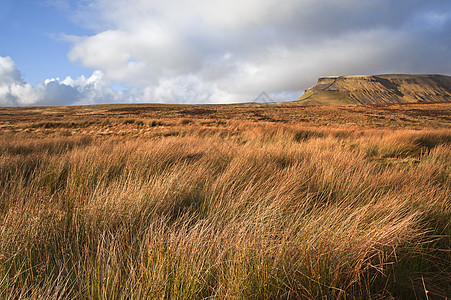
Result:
[
  {"x": 32, "y": 34},
  {"x": 59, "y": 52}
]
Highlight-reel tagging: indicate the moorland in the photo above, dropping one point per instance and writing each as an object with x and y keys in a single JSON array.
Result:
[{"x": 248, "y": 201}]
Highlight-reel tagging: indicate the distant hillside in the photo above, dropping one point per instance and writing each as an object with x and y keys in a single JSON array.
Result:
[{"x": 374, "y": 89}]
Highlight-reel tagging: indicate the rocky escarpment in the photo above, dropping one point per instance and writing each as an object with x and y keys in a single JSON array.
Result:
[{"x": 374, "y": 89}]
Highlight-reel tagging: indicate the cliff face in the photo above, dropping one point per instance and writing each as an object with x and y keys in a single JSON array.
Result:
[{"x": 373, "y": 89}]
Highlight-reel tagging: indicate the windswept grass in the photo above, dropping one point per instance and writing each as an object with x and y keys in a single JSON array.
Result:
[{"x": 235, "y": 210}]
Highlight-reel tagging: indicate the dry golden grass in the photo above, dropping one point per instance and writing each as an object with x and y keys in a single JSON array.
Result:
[{"x": 235, "y": 202}]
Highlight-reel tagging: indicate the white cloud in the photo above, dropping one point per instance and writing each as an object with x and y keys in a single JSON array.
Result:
[
  {"x": 8, "y": 72},
  {"x": 15, "y": 92},
  {"x": 96, "y": 89},
  {"x": 202, "y": 50}
]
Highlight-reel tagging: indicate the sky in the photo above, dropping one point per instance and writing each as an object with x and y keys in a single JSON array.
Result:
[{"x": 66, "y": 52}]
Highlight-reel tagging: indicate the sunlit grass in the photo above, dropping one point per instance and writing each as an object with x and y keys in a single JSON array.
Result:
[{"x": 230, "y": 209}]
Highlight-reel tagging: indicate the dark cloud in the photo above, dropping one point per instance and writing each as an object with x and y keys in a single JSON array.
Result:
[{"x": 57, "y": 93}]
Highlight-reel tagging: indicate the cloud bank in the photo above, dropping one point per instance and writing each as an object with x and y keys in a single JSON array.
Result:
[
  {"x": 222, "y": 51},
  {"x": 15, "y": 92}
]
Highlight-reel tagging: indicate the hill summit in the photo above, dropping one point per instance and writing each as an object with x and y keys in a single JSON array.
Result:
[{"x": 376, "y": 89}]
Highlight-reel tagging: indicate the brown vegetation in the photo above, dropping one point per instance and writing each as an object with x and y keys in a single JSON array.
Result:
[{"x": 243, "y": 201}]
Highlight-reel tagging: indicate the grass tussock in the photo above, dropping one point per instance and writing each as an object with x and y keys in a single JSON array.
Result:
[{"x": 233, "y": 210}]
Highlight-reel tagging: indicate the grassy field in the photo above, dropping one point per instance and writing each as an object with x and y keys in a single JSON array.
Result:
[{"x": 229, "y": 202}]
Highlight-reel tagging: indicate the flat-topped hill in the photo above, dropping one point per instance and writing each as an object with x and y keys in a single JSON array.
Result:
[{"x": 376, "y": 89}]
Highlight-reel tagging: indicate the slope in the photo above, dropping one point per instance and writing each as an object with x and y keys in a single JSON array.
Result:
[{"x": 376, "y": 89}]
